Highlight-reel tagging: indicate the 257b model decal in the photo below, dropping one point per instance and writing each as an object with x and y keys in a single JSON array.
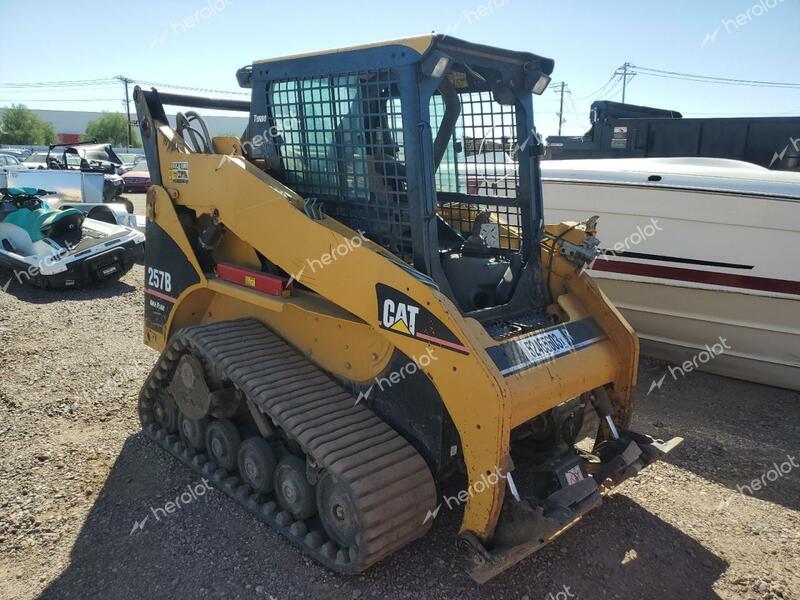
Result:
[
  {"x": 168, "y": 274},
  {"x": 160, "y": 280}
]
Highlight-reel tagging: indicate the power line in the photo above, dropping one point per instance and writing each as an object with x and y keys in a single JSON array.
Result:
[
  {"x": 83, "y": 83},
  {"x": 59, "y": 84},
  {"x": 183, "y": 87},
  {"x": 45, "y": 93},
  {"x": 59, "y": 99},
  {"x": 573, "y": 108},
  {"x": 624, "y": 73},
  {"x": 600, "y": 90},
  {"x": 740, "y": 84},
  {"x": 614, "y": 90},
  {"x": 712, "y": 79}
]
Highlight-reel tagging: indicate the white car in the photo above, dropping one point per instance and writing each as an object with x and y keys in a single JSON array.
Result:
[
  {"x": 37, "y": 160},
  {"x": 9, "y": 162},
  {"x": 129, "y": 160}
]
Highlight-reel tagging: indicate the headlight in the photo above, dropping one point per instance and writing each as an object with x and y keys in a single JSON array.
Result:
[{"x": 541, "y": 84}]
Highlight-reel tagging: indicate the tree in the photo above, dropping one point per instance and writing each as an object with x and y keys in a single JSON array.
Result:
[
  {"x": 111, "y": 128},
  {"x": 20, "y": 126},
  {"x": 49, "y": 135}
]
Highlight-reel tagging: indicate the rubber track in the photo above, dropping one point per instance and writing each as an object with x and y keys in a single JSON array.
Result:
[{"x": 391, "y": 484}]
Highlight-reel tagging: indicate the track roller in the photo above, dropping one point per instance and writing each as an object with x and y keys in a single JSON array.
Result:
[
  {"x": 222, "y": 443},
  {"x": 165, "y": 412},
  {"x": 257, "y": 464},
  {"x": 295, "y": 494},
  {"x": 192, "y": 431},
  {"x": 337, "y": 510}
]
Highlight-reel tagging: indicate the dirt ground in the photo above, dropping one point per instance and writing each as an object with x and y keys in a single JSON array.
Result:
[{"x": 76, "y": 475}]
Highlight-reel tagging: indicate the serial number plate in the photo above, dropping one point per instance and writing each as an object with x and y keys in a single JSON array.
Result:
[{"x": 546, "y": 345}]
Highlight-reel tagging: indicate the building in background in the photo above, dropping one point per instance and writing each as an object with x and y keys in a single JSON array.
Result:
[{"x": 70, "y": 125}]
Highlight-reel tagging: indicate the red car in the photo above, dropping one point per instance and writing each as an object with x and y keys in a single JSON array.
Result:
[{"x": 137, "y": 179}]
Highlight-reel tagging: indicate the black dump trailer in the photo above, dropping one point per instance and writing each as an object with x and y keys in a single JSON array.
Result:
[{"x": 628, "y": 131}]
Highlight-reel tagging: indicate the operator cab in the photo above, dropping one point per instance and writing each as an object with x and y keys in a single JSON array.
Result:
[{"x": 427, "y": 146}]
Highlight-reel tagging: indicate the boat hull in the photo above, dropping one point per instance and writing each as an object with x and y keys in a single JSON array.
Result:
[
  {"x": 689, "y": 268},
  {"x": 759, "y": 337}
]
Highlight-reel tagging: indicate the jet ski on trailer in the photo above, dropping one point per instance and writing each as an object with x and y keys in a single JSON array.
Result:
[{"x": 61, "y": 248}]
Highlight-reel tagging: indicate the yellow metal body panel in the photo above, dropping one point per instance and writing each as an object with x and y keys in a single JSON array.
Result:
[
  {"x": 337, "y": 326},
  {"x": 583, "y": 296},
  {"x": 331, "y": 337}
]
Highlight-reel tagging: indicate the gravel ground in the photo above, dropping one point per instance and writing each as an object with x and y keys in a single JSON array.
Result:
[{"x": 76, "y": 474}]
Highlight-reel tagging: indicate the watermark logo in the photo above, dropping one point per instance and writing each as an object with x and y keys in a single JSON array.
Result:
[
  {"x": 701, "y": 358},
  {"x": 279, "y": 129},
  {"x": 138, "y": 525},
  {"x": 779, "y": 156},
  {"x": 481, "y": 11},
  {"x": 740, "y": 20},
  {"x": 192, "y": 493},
  {"x": 770, "y": 476},
  {"x": 631, "y": 240},
  {"x": 710, "y": 38},
  {"x": 475, "y": 14},
  {"x": 339, "y": 251},
  {"x": 210, "y": 9},
  {"x": 432, "y": 514},
  {"x": 34, "y": 270},
  {"x": 478, "y": 487},
  {"x": 486, "y": 183},
  {"x": 562, "y": 595},
  {"x": 634, "y": 239},
  {"x": 398, "y": 375}
]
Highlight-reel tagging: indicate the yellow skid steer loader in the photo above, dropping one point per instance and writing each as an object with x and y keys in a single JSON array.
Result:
[{"x": 345, "y": 320}]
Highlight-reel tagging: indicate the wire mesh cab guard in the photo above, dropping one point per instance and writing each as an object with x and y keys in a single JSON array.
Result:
[{"x": 432, "y": 154}]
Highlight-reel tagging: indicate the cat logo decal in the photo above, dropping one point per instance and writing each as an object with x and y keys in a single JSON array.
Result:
[{"x": 397, "y": 312}]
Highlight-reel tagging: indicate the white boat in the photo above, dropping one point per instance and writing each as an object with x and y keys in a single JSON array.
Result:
[{"x": 696, "y": 251}]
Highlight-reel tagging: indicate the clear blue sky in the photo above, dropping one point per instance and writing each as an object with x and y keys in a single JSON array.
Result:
[{"x": 57, "y": 41}]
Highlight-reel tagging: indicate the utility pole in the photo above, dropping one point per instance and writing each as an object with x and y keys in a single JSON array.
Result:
[
  {"x": 625, "y": 79},
  {"x": 125, "y": 81},
  {"x": 560, "y": 90}
]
